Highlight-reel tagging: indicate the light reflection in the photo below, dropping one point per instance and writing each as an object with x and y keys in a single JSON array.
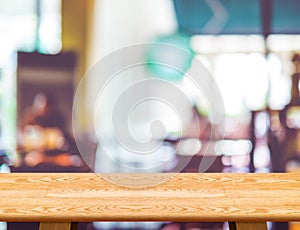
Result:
[
  {"x": 189, "y": 147},
  {"x": 233, "y": 147}
]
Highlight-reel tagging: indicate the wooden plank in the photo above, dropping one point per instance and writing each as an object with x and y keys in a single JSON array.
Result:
[
  {"x": 177, "y": 197},
  {"x": 55, "y": 226},
  {"x": 248, "y": 226}
]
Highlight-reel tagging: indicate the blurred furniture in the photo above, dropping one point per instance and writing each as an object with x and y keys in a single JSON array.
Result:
[
  {"x": 47, "y": 73},
  {"x": 190, "y": 164},
  {"x": 47, "y": 149},
  {"x": 42, "y": 148},
  {"x": 290, "y": 118},
  {"x": 212, "y": 156},
  {"x": 284, "y": 131},
  {"x": 246, "y": 200}
]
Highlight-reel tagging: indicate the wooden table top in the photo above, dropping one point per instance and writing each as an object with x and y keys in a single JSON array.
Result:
[{"x": 182, "y": 197}]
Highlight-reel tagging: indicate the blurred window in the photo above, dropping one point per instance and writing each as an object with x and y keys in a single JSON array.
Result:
[
  {"x": 31, "y": 25},
  {"x": 248, "y": 80},
  {"x": 7, "y": 99}
]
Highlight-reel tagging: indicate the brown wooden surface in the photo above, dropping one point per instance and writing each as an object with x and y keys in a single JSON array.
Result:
[
  {"x": 55, "y": 226},
  {"x": 248, "y": 226},
  {"x": 184, "y": 197}
]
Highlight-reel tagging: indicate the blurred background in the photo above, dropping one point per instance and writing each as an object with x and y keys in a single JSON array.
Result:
[{"x": 250, "y": 48}]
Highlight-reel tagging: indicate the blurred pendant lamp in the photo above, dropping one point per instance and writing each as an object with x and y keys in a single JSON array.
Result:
[{"x": 170, "y": 56}]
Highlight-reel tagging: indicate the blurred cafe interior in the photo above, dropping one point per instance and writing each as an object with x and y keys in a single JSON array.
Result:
[{"x": 82, "y": 90}]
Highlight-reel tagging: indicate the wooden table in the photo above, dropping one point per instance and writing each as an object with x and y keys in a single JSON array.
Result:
[{"x": 56, "y": 200}]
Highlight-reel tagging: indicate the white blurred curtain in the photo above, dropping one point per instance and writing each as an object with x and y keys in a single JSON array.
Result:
[{"x": 117, "y": 24}]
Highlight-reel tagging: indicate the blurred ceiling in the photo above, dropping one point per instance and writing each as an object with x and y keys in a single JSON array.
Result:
[{"x": 238, "y": 16}]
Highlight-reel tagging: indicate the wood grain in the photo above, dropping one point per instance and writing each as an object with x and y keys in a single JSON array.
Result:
[{"x": 183, "y": 197}]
